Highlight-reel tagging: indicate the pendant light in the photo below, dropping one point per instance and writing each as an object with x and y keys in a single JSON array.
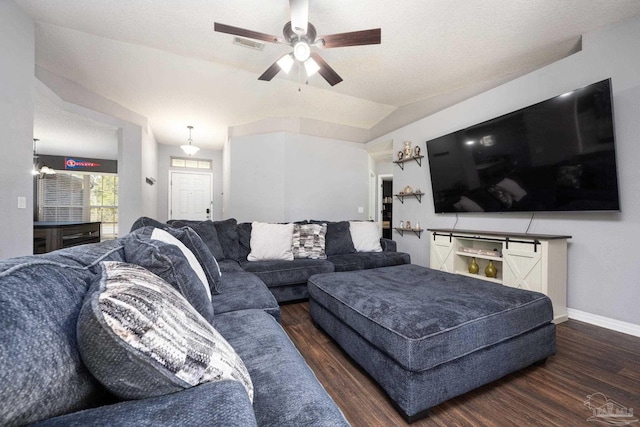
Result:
[{"x": 189, "y": 148}]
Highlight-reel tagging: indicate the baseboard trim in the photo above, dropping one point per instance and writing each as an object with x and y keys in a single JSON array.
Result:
[{"x": 604, "y": 322}]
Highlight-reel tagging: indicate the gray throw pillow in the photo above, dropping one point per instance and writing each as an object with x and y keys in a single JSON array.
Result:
[
  {"x": 338, "y": 239},
  {"x": 168, "y": 262},
  {"x": 207, "y": 232},
  {"x": 194, "y": 242},
  {"x": 140, "y": 338}
]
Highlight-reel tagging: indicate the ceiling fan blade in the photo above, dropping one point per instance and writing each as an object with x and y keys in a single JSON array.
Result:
[
  {"x": 236, "y": 31},
  {"x": 326, "y": 71},
  {"x": 270, "y": 72},
  {"x": 354, "y": 38},
  {"x": 299, "y": 16}
]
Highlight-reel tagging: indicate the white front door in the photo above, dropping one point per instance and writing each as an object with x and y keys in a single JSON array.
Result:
[{"x": 190, "y": 195}]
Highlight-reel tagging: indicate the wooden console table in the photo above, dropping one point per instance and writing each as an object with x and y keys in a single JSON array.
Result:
[
  {"x": 51, "y": 235},
  {"x": 536, "y": 262}
]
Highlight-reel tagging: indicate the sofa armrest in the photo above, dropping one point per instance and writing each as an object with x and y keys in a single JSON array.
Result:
[
  {"x": 388, "y": 245},
  {"x": 222, "y": 403}
]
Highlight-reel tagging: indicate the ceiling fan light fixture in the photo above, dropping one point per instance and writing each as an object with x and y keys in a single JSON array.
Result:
[
  {"x": 311, "y": 67},
  {"x": 286, "y": 62},
  {"x": 301, "y": 51},
  {"x": 189, "y": 148}
]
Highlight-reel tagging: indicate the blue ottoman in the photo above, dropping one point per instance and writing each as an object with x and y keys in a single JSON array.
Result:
[{"x": 425, "y": 335}]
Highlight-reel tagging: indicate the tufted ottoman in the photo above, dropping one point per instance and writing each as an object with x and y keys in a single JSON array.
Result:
[{"x": 425, "y": 335}]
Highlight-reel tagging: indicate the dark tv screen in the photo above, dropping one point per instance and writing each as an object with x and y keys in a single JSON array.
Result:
[{"x": 557, "y": 155}]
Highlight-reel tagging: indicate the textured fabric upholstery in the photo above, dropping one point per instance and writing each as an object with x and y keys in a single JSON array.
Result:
[
  {"x": 242, "y": 290},
  {"x": 141, "y": 338},
  {"x": 388, "y": 245},
  {"x": 281, "y": 273},
  {"x": 223, "y": 403},
  {"x": 416, "y": 392},
  {"x": 144, "y": 226},
  {"x": 422, "y": 317},
  {"x": 244, "y": 240},
  {"x": 229, "y": 265},
  {"x": 368, "y": 260},
  {"x": 287, "y": 393},
  {"x": 168, "y": 262},
  {"x": 207, "y": 232},
  {"x": 228, "y": 237},
  {"x": 41, "y": 372},
  {"x": 338, "y": 239}
]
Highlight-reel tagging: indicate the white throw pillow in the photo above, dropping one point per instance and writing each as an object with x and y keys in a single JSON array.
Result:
[
  {"x": 365, "y": 236},
  {"x": 165, "y": 237},
  {"x": 513, "y": 188},
  {"x": 271, "y": 242}
]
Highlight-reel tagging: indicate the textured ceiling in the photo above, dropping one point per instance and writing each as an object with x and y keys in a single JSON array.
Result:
[{"x": 163, "y": 60}]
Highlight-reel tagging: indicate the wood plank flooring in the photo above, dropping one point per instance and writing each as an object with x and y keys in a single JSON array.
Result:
[{"x": 589, "y": 359}]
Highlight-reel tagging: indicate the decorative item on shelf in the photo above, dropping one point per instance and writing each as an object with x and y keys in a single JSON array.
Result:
[
  {"x": 418, "y": 191},
  {"x": 408, "y": 225},
  {"x": 407, "y": 149},
  {"x": 473, "y": 266},
  {"x": 189, "y": 148},
  {"x": 491, "y": 270},
  {"x": 417, "y": 227},
  {"x": 400, "y": 155},
  {"x": 416, "y": 151},
  {"x": 401, "y": 224},
  {"x": 408, "y": 190}
]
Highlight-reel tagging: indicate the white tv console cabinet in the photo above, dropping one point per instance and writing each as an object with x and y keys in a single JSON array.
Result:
[{"x": 537, "y": 262}]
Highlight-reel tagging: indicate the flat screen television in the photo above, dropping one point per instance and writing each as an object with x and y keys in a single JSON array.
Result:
[{"x": 556, "y": 155}]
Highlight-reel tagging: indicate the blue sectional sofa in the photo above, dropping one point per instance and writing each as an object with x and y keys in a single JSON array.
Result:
[
  {"x": 229, "y": 241},
  {"x": 47, "y": 382}
]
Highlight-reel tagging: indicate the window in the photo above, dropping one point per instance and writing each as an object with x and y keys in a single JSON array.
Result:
[
  {"x": 80, "y": 196},
  {"x": 179, "y": 162}
]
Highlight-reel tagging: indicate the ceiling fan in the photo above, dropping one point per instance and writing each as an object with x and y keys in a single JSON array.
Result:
[{"x": 300, "y": 34}]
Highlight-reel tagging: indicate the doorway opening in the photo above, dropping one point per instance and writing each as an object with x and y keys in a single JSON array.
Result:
[{"x": 385, "y": 203}]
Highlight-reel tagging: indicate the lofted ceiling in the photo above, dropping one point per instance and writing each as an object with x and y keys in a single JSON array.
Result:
[{"x": 162, "y": 59}]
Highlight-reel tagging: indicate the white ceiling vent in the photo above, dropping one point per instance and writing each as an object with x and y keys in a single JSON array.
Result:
[{"x": 248, "y": 43}]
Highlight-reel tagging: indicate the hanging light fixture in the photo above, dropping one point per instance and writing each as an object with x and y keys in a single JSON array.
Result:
[{"x": 189, "y": 148}]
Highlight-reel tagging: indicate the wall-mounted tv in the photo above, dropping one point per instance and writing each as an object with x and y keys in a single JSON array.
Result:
[{"x": 557, "y": 155}]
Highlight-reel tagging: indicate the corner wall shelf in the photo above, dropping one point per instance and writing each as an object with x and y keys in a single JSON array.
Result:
[
  {"x": 401, "y": 163},
  {"x": 415, "y": 231},
  {"x": 418, "y": 195}
]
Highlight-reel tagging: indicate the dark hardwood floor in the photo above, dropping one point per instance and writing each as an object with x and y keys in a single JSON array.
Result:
[{"x": 589, "y": 359}]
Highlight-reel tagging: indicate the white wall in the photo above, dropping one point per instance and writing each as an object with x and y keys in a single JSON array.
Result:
[
  {"x": 165, "y": 152},
  {"x": 603, "y": 265},
  {"x": 17, "y": 50},
  {"x": 286, "y": 177}
]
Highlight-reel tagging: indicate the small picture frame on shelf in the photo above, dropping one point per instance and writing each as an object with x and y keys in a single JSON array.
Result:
[
  {"x": 416, "y": 151},
  {"x": 400, "y": 155}
]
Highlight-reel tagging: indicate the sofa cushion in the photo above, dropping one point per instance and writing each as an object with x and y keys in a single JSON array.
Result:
[
  {"x": 167, "y": 261},
  {"x": 281, "y": 273},
  {"x": 241, "y": 291},
  {"x": 244, "y": 240},
  {"x": 365, "y": 236},
  {"x": 309, "y": 241},
  {"x": 207, "y": 232},
  {"x": 41, "y": 372},
  {"x": 191, "y": 239},
  {"x": 229, "y": 265},
  {"x": 338, "y": 239},
  {"x": 140, "y": 338},
  {"x": 228, "y": 236},
  {"x": 271, "y": 242},
  {"x": 223, "y": 403},
  {"x": 367, "y": 260},
  {"x": 287, "y": 393}
]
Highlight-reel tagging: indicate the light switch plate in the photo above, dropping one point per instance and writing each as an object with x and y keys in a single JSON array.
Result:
[
  {"x": 22, "y": 202},
  {"x": 360, "y": 209}
]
